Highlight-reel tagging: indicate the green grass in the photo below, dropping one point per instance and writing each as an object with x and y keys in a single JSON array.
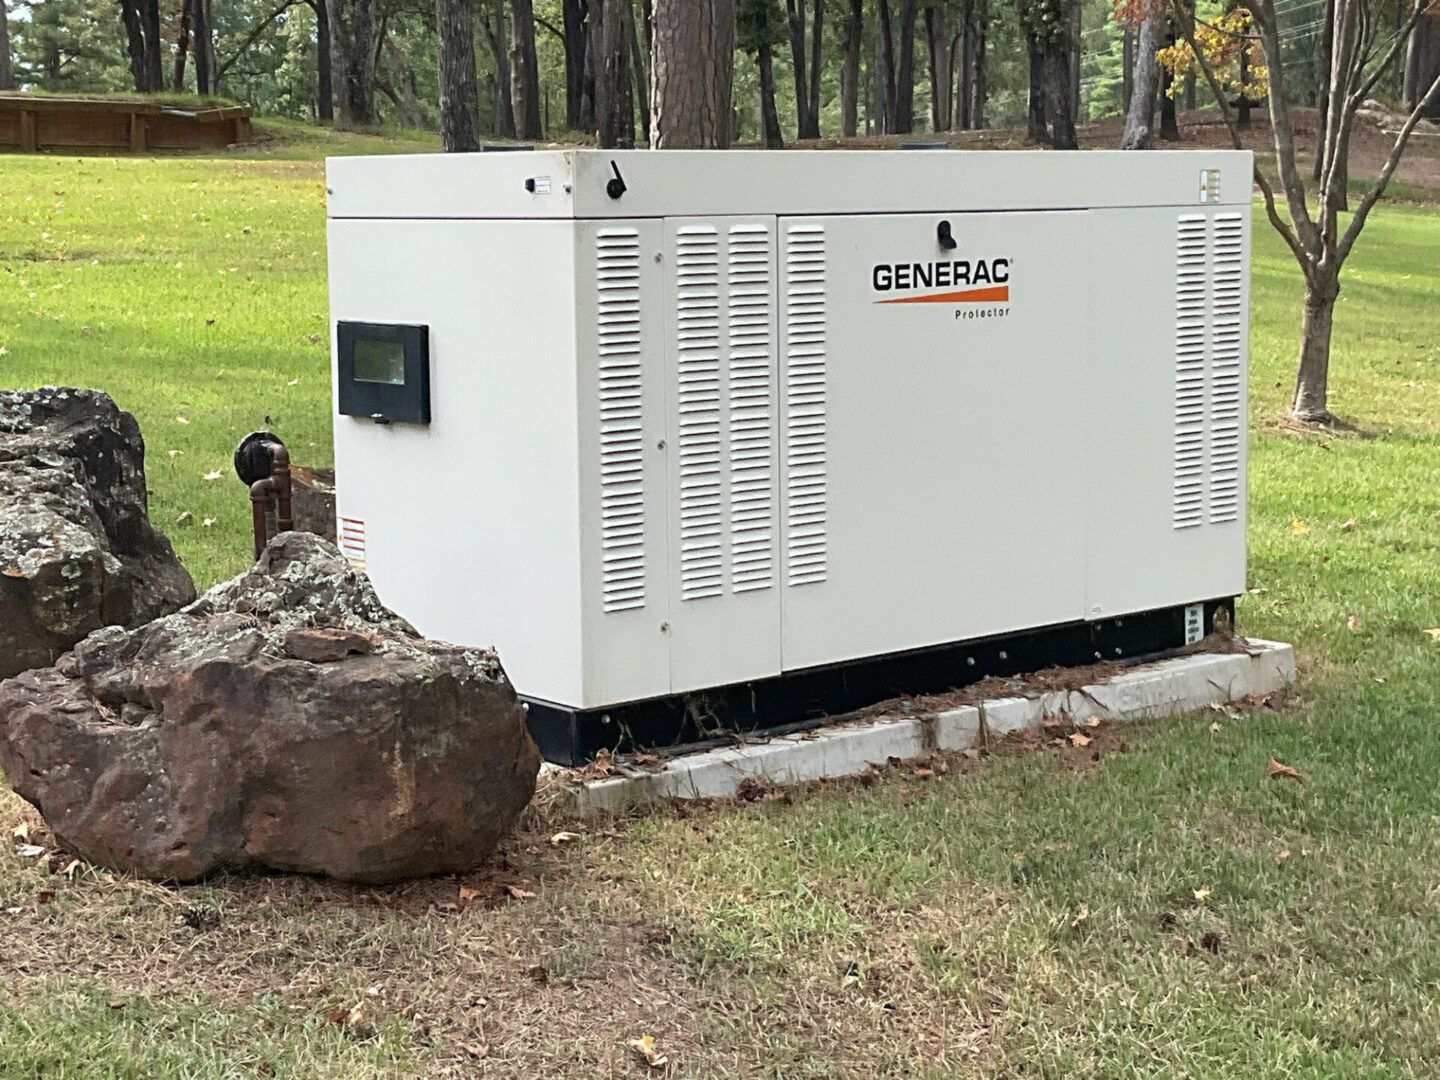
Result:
[{"x": 1026, "y": 918}]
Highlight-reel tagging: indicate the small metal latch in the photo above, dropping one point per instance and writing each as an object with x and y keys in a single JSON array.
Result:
[{"x": 944, "y": 237}]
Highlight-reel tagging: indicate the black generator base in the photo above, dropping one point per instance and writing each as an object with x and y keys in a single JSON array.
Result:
[{"x": 800, "y": 699}]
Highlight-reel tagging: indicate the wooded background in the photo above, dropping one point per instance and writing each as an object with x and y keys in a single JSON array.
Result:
[{"x": 543, "y": 68}]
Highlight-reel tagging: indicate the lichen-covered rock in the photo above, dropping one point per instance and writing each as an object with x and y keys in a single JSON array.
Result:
[
  {"x": 77, "y": 551},
  {"x": 285, "y": 720}
]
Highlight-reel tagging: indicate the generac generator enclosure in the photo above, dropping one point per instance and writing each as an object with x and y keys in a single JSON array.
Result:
[{"x": 662, "y": 427}]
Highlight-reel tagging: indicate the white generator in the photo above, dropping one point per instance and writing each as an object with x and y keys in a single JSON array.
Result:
[{"x": 708, "y": 441}]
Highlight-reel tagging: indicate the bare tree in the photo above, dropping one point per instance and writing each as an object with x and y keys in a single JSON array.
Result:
[
  {"x": 850, "y": 69},
  {"x": 1140, "y": 113},
  {"x": 692, "y": 73},
  {"x": 459, "y": 89},
  {"x": 1360, "y": 58}
]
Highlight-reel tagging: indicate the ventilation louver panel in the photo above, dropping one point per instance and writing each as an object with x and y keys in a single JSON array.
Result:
[
  {"x": 806, "y": 491},
  {"x": 752, "y": 438},
  {"x": 1227, "y": 278},
  {"x": 622, "y": 448},
  {"x": 699, "y": 440},
  {"x": 1190, "y": 314}
]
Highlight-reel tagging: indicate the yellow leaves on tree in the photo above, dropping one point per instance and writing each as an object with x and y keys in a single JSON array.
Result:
[{"x": 1223, "y": 41}]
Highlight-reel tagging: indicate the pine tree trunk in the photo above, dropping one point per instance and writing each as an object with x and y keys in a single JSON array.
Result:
[
  {"x": 885, "y": 48},
  {"x": 154, "y": 58},
  {"x": 1059, "y": 95},
  {"x": 1311, "y": 402},
  {"x": 795, "y": 24},
  {"x": 615, "y": 107},
  {"x": 1127, "y": 72},
  {"x": 639, "y": 75},
  {"x": 492, "y": 21},
  {"x": 769, "y": 115},
  {"x": 525, "y": 70},
  {"x": 692, "y": 74},
  {"x": 324, "y": 89},
  {"x": 817, "y": 61},
  {"x": 182, "y": 47},
  {"x": 978, "y": 27},
  {"x": 573, "y": 16},
  {"x": 1140, "y": 116},
  {"x": 1242, "y": 109},
  {"x": 942, "y": 61},
  {"x": 7, "y": 68},
  {"x": 1036, "y": 127},
  {"x": 459, "y": 86},
  {"x": 134, "y": 42},
  {"x": 352, "y": 41},
  {"x": 850, "y": 70},
  {"x": 1169, "y": 124},
  {"x": 905, "y": 69}
]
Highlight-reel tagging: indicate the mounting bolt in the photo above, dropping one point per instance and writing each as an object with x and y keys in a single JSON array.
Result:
[
  {"x": 1004, "y": 655},
  {"x": 659, "y": 444},
  {"x": 664, "y": 628}
]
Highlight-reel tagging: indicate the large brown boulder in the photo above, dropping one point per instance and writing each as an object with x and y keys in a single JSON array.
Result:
[
  {"x": 286, "y": 720},
  {"x": 77, "y": 551}
]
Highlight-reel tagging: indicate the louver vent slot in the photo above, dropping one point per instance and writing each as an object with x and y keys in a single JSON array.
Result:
[
  {"x": 700, "y": 443},
  {"x": 1190, "y": 311},
  {"x": 806, "y": 491},
  {"x": 752, "y": 449},
  {"x": 1227, "y": 277},
  {"x": 622, "y": 452}
]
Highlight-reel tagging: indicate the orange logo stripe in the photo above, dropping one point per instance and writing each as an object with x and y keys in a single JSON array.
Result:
[{"x": 964, "y": 296}]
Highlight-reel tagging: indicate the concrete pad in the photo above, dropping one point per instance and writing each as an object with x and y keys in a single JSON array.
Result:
[{"x": 1160, "y": 689}]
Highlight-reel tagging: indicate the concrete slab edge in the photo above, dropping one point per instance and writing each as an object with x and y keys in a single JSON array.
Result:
[{"x": 1166, "y": 688}]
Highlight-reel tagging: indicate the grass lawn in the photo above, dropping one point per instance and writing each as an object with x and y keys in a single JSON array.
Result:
[{"x": 1165, "y": 911}]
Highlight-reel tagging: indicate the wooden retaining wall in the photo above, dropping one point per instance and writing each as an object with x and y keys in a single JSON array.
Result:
[{"x": 32, "y": 122}]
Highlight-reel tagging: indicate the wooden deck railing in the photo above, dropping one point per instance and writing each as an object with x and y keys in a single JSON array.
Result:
[{"x": 32, "y": 122}]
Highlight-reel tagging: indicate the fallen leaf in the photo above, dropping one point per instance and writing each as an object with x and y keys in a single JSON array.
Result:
[
  {"x": 213, "y": 474},
  {"x": 1380, "y": 678},
  {"x": 564, "y": 838},
  {"x": 1214, "y": 727},
  {"x": 72, "y": 868},
  {"x": 1434, "y": 633},
  {"x": 175, "y": 453},
  {"x": 924, "y": 773},
  {"x": 1283, "y": 855},
  {"x": 1297, "y": 526},
  {"x": 1275, "y": 768},
  {"x": 45, "y": 896},
  {"x": 1091, "y": 721},
  {"x": 185, "y": 515},
  {"x": 1353, "y": 621},
  {"x": 517, "y": 893},
  {"x": 476, "y": 1050},
  {"x": 21, "y": 831},
  {"x": 645, "y": 1047},
  {"x": 208, "y": 522},
  {"x": 117, "y": 1005},
  {"x": 1201, "y": 894},
  {"x": 1349, "y": 525},
  {"x": 181, "y": 420},
  {"x": 1080, "y": 739},
  {"x": 1080, "y": 916},
  {"x": 29, "y": 851},
  {"x": 467, "y": 895}
]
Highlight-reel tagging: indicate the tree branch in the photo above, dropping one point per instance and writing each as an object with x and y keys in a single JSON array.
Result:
[
  {"x": 548, "y": 25},
  {"x": 254, "y": 36},
  {"x": 1402, "y": 36},
  {"x": 1373, "y": 195}
]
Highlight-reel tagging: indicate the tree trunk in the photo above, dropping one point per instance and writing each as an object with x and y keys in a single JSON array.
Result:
[
  {"x": 182, "y": 47},
  {"x": 324, "y": 89},
  {"x": 154, "y": 60},
  {"x": 1036, "y": 127},
  {"x": 352, "y": 42},
  {"x": 1422, "y": 63},
  {"x": 692, "y": 73},
  {"x": 1059, "y": 93},
  {"x": 1311, "y": 402},
  {"x": 977, "y": 30},
  {"x": 639, "y": 75},
  {"x": 769, "y": 116},
  {"x": 882, "y": 71},
  {"x": 1127, "y": 71},
  {"x": 573, "y": 15},
  {"x": 807, "y": 124},
  {"x": 1140, "y": 116},
  {"x": 850, "y": 70},
  {"x": 1323, "y": 54},
  {"x": 905, "y": 69},
  {"x": 614, "y": 107},
  {"x": 817, "y": 61},
  {"x": 942, "y": 63},
  {"x": 1242, "y": 108},
  {"x": 201, "y": 48},
  {"x": 134, "y": 42},
  {"x": 459, "y": 86},
  {"x": 1169, "y": 122},
  {"x": 503, "y": 123},
  {"x": 524, "y": 70}
]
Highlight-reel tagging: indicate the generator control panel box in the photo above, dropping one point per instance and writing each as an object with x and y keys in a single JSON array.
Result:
[{"x": 754, "y": 416}]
